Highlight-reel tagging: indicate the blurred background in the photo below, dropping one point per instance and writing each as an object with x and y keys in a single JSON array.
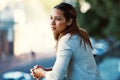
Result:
[{"x": 26, "y": 38}]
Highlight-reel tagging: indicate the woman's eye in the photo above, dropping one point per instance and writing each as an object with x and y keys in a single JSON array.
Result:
[
  {"x": 58, "y": 19},
  {"x": 51, "y": 18}
]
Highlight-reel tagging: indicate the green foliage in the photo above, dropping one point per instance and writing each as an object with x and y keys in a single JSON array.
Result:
[{"x": 103, "y": 18}]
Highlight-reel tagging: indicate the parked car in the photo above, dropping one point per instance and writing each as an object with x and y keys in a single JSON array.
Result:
[
  {"x": 100, "y": 46},
  {"x": 16, "y": 75}
]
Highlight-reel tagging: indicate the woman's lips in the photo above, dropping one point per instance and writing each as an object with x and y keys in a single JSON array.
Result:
[{"x": 53, "y": 29}]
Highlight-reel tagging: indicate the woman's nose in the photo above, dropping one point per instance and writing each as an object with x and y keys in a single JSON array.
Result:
[{"x": 53, "y": 22}]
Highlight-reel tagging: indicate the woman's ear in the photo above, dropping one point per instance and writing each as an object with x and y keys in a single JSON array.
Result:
[{"x": 69, "y": 21}]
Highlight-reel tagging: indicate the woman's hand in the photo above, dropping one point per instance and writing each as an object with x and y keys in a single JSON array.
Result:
[
  {"x": 38, "y": 72},
  {"x": 34, "y": 74}
]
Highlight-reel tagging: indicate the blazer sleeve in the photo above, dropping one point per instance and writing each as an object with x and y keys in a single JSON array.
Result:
[{"x": 64, "y": 54}]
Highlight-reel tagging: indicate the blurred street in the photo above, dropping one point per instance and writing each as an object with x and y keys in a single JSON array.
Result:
[{"x": 25, "y": 62}]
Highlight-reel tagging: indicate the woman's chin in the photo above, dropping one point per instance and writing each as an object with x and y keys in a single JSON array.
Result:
[{"x": 54, "y": 32}]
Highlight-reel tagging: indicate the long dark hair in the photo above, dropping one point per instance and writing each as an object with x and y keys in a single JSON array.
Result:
[{"x": 69, "y": 12}]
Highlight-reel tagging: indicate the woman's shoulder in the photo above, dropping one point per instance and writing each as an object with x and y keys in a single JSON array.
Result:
[
  {"x": 69, "y": 37},
  {"x": 68, "y": 41}
]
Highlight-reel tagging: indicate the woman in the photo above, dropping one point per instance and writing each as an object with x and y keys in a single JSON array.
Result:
[{"x": 74, "y": 58}]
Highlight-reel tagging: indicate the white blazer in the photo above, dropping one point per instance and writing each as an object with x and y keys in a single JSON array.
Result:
[{"x": 73, "y": 61}]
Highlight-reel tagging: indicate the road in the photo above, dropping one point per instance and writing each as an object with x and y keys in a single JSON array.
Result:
[{"x": 26, "y": 62}]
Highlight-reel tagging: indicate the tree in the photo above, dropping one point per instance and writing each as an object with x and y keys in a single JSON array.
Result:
[{"x": 102, "y": 19}]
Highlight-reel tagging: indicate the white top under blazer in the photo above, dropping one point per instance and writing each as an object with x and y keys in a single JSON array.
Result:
[{"x": 73, "y": 61}]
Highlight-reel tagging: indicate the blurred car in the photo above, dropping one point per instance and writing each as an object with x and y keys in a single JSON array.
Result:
[
  {"x": 16, "y": 75},
  {"x": 99, "y": 46}
]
